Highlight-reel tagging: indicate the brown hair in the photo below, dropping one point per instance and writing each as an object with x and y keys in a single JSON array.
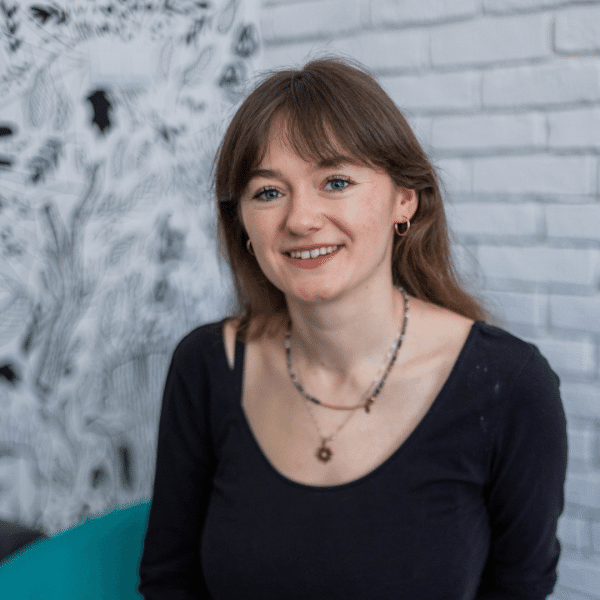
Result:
[{"x": 330, "y": 104}]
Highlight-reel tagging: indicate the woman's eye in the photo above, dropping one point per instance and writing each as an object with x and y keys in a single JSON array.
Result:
[
  {"x": 336, "y": 184},
  {"x": 266, "y": 194}
]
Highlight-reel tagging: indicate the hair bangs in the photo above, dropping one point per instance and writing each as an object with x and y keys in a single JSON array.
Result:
[{"x": 321, "y": 129}]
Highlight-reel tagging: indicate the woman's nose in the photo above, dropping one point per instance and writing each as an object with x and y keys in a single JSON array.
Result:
[{"x": 304, "y": 213}]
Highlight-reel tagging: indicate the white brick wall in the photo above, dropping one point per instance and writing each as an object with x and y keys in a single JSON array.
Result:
[
  {"x": 489, "y": 132},
  {"x": 434, "y": 92},
  {"x": 574, "y": 532},
  {"x": 581, "y": 400},
  {"x": 540, "y": 265},
  {"x": 536, "y": 174},
  {"x": 574, "y": 129},
  {"x": 310, "y": 19},
  {"x": 411, "y": 49},
  {"x": 410, "y": 12},
  {"x": 505, "y": 94},
  {"x": 570, "y": 357},
  {"x": 576, "y": 221},
  {"x": 576, "y": 313},
  {"x": 565, "y": 81},
  {"x": 515, "y": 6},
  {"x": 485, "y": 220},
  {"x": 492, "y": 40},
  {"x": 578, "y": 31},
  {"x": 581, "y": 444},
  {"x": 520, "y": 308},
  {"x": 580, "y": 576},
  {"x": 596, "y": 536},
  {"x": 457, "y": 174},
  {"x": 583, "y": 489}
]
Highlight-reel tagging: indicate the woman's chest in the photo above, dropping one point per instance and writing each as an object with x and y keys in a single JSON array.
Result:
[
  {"x": 416, "y": 523},
  {"x": 316, "y": 445}
]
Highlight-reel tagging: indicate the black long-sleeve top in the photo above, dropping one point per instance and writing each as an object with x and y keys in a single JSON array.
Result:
[{"x": 465, "y": 509}]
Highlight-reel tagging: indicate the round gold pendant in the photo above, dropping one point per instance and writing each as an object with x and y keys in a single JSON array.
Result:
[{"x": 324, "y": 453}]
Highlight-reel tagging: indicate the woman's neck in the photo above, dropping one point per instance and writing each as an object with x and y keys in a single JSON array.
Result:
[{"x": 348, "y": 335}]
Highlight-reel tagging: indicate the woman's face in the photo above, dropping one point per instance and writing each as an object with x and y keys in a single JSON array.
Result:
[{"x": 320, "y": 231}]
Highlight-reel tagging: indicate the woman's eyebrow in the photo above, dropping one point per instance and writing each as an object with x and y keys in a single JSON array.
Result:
[
  {"x": 336, "y": 161},
  {"x": 265, "y": 173},
  {"x": 327, "y": 163}
]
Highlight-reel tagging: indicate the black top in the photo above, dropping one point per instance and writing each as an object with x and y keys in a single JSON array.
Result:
[{"x": 465, "y": 509}]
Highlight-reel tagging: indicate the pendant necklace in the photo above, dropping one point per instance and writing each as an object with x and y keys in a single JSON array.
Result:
[{"x": 324, "y": 452}]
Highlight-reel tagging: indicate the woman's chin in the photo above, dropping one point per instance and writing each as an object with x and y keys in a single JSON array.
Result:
[{"x": 313, "y": 294}]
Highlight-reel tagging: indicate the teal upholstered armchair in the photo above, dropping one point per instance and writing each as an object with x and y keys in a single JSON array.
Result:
[{"x": 95, "y": 560}]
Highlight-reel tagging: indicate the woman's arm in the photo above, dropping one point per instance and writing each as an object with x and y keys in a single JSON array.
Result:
[
  {"x": 525, "y": 494},
  {"x": 170, "y": 565}
]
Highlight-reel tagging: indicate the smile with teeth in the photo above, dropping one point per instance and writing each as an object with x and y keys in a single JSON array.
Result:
[{"x": 314, "y": 253}]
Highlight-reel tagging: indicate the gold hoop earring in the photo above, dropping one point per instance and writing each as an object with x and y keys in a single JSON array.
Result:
[
  {"x": 407, "y": 223},
  {"x": 249, "y": 247}
]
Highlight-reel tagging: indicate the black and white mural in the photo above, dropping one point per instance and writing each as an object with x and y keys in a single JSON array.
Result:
[{"x": 110, "y": 114}]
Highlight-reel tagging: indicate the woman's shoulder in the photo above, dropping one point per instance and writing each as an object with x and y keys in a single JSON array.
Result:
[
  {"x": 203, "y": 341},
  {"x": 446, "y": 325},
  {"x": 493, "y": 340},
  {"x": 507, "y": 366},
  {"x": 260, "y": 333},
  {"x": 436, "y": 330},
  {"x": 477, "y": 346}
]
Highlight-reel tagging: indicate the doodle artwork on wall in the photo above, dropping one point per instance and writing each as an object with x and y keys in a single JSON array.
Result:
[{"x": 110, "y": 115}]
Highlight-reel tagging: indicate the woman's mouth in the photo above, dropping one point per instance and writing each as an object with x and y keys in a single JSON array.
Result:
[
  {"x": 313, "y": 258},
  {"x": 313, "y": 253}
]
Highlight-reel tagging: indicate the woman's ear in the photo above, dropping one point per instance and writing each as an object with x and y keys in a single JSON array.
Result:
[{"x": 407, "y": 201}]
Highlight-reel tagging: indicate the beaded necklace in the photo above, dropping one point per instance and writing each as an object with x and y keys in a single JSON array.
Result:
[{"x": 324, "y": 452}]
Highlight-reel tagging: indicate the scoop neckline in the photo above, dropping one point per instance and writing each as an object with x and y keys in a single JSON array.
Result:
[{"x": 240, "y": 355}]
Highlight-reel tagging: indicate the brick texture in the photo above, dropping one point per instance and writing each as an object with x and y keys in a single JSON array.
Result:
[
  {"x": 492, "y": 40},
  {"x": 410, "y": 12},
  {"x": 569, "y": 357},
  {"x": 519, "y": 308},
  {"x": 505, "y": 95},
  {"x": 583, "y": 489},
  {"x": 596, "y": 536},
  {"x": 489, "y": 132},
  {"x": 573, "y": 312},
  {"x": 578, "y": 31},
  {"x": 581, "y": 444},
  {"x": 435, "y": 91},
  {"x": 457, "y": 174},
  {"x": 389, "y": 50},
  {"x": 275, "y": 20},
  {"x": 573, "y": 221},
  {"x": 560, "y": 82},
  {"x": 581, "y": 400},
  {"x": 581, "y": 576},
  {"x": 511, "y": 6},
  {"x": 574, "y": 532},
  {"x": 541, "y": 265},
  {"x": 499, "y": 220},
  {"x": 574, "y": 128},
  {"x": 540, "y": 174}
]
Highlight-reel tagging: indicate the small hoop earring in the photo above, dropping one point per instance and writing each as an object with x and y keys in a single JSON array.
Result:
[
  {"x": 249, "y": 247},
  {"x": 407, "y": 223}
]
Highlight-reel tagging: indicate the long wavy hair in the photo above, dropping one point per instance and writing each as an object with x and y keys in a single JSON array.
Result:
[{"x": 328, "y": 105}]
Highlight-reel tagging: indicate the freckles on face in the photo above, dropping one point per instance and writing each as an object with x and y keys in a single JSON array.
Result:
[{"x": 318, "y": 229}]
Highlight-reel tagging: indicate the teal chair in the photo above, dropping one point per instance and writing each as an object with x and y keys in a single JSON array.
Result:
[{"x": 95, "y": 560}]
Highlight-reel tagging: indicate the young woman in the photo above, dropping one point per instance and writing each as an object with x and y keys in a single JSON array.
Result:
[{"x": 357, "y": 431}]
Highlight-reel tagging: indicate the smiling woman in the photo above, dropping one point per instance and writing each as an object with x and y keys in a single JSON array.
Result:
[
  {"x": 294, "y": 210},
  {"x": 320, "y": 443},
  {"x": 333, "y": 113}
]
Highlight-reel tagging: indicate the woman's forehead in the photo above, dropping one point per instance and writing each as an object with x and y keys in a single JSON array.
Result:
[{"x": 321, "y": 148}]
